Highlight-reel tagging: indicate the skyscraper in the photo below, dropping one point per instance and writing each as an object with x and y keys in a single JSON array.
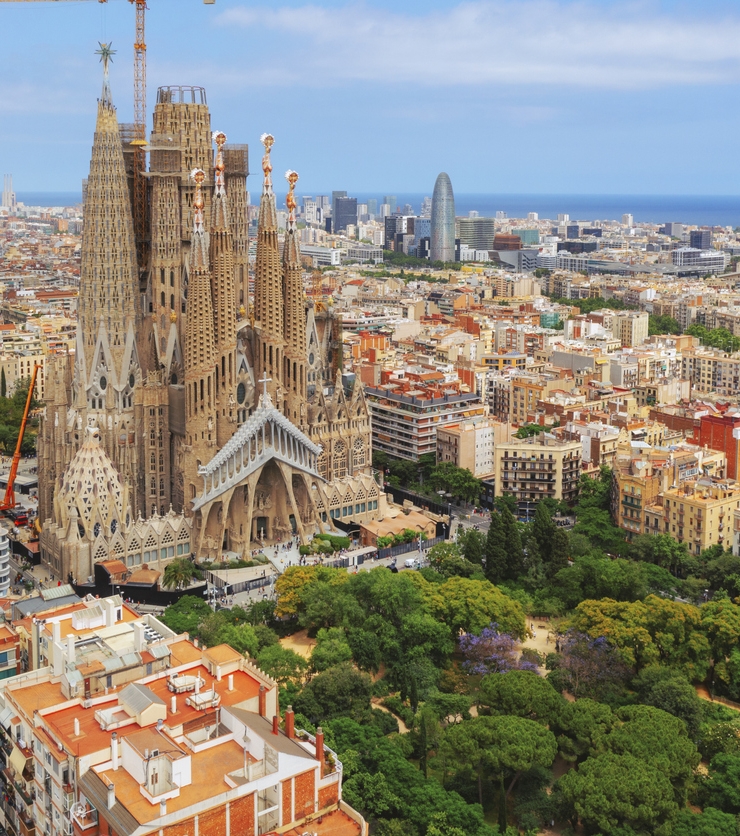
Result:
[
  {"x": 442, "y": 246},
  {"x": 392, "y": 201},
  {"x": 345, "y": 213},
  {"x": 8, "y": 196}
]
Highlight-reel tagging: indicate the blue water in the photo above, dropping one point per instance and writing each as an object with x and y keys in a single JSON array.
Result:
[
  {"x": 49, "y": 198},
  {"x": 709, "y": 210}
]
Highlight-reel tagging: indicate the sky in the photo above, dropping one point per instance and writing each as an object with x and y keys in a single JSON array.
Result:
[{"x": 507, "y": 96}]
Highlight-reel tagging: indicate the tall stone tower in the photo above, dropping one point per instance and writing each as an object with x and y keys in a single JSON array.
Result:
[
  {"x": 200, "y": 351},
  {"x": 224, "y": 300},
  {"x": 236, "y": 160},
  {"x": 294, "y": 298},
  {"x": 269, "y": 345},
  {"x": 107, "y": 374}
]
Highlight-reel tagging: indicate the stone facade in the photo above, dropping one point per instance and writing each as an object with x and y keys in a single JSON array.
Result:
[{"x": 231, "y": 418}]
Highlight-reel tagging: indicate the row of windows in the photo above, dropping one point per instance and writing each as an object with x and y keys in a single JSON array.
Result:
[
  {"x": 348, "y": 510},
  {"x": 182, "y": 550}
]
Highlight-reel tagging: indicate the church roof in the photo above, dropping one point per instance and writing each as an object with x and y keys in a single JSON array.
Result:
[
  {"x": 92, "y": 489},
  {"x": 265, "y": 413}
]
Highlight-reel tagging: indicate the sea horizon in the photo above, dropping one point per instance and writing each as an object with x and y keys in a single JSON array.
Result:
[{"x": 700, "y": 210}]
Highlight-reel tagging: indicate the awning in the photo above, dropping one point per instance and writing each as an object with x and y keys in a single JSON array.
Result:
[
  {"x": 18, "y": 760},
  {"x": 5, "y": 716}
]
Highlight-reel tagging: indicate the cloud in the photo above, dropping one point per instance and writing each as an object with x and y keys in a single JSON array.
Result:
[{"x": 586, "y": 44}]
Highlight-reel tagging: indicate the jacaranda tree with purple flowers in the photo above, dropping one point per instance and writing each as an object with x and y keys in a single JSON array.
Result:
[{"x": 491, "y": 652}]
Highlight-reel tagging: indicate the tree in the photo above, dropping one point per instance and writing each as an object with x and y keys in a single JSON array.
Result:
[
  {"x": 660, "y": 549},
  {"x": 559, "y": 553},
  {"x": 720, "y": 623},
  {"x": 612, "y": 791},
  {"x": 529, "y": 430},
  {"x": 291, "y": 585},
  {"x": 657, "y": 738},
  {"x": 501, "y": 747},
  {"x": 722, "y": 787},
  {"x": 186, "y": 614},
  {"x": 512, "y": 545},
  {"x": 341, "y": 691},
  {"x": 282, "y": 664},
  {"x": 662, "y": 324},
  {"x": 366, "y": 649},
  {"x": 470, "y": 605},
  {"x": 496, "y": 558},
  {"x": 217, "y": 628},
  {"x": 587, "y": 667},
  {"x": 3, "y": 384},
  {"x": 649, "y": 631},
  {"x": 179, "y": 573},
  {"x": 472, "y": 544},
  {"x": 582, "y": 725},
  {"x": 490, "y": 652},
  {"x": 331, "y": 649},
  {"x": 710, "y": 822},
  {"x": 521, "y": 693},
  {"x": 370, "y": 794},
  {"x": 542, "y": 533},
  {"x": 670, "y": 691}
]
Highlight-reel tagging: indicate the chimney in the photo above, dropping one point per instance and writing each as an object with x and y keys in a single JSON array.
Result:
[
  {"x": 111, "y": 796},
  {"x": 56, "y": 632},
  {"x": 290, "y": 722},
  {"x": 231, "y": 682},
  {"x": 320, "y": 749},
  {"x": 263, "y": 701},
  {"x": 77, "y": 727},
  {"x": 163, "y": 807},
  {"x": 275, "y": 724},
  {"x": 114, "y": 750},
  {"x": 218, "y": 674},
  {"x": 197, "y": 684},
  {"x": 139, "y": 636},
  {"x": 71, "y": 649},
  {"x": 173, "y": 705},
  {"x": 110, "y": 611}
]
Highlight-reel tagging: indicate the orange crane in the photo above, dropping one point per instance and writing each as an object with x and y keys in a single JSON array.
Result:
[
  {"x": 9, "y": 500},
  {"x": 139, "y": 141}
]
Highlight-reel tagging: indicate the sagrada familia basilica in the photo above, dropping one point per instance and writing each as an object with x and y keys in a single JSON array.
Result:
[{"x": 193, "y": 419}]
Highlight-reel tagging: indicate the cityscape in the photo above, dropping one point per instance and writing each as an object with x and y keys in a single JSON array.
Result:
[{"x": 364, "y": 511}]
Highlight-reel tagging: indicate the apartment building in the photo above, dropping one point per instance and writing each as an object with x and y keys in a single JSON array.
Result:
[
  {"x": 470, "y": 444},
  {"x": 405, "y": 419},
  {"x": 599, "y": 441},
  {"x": 630, "y": 327},
  {"x": 527, "y": 390},
  {"x": 132, "y": 730},
  {"x": 536, "y": 467},
  {"x": 711, "y": 370},
  {"x": 700, "y": 513}
]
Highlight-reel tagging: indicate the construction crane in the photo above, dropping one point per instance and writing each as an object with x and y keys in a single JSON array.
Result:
[
  {"x": 9, "y": 500},
  {"x": 139, "y": 140}
]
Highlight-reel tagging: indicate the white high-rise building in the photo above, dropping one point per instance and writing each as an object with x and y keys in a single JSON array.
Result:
[
  {"x": 563, "y": 218},
  {"x": 533, "y": 216},
  {"x": 8, "y": 198},
  {"x": 628, "y": 220}
]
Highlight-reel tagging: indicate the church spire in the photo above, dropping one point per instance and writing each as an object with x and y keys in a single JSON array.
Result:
[
  {"x": 200, "y": 351},
  {"x": 268, "y": 291},
  {"x": 224, "y": 299},
  {"x": 295, "y": 310},
  {"x": 108, "y": 313},
  {"x": 106, "y": 56}
]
